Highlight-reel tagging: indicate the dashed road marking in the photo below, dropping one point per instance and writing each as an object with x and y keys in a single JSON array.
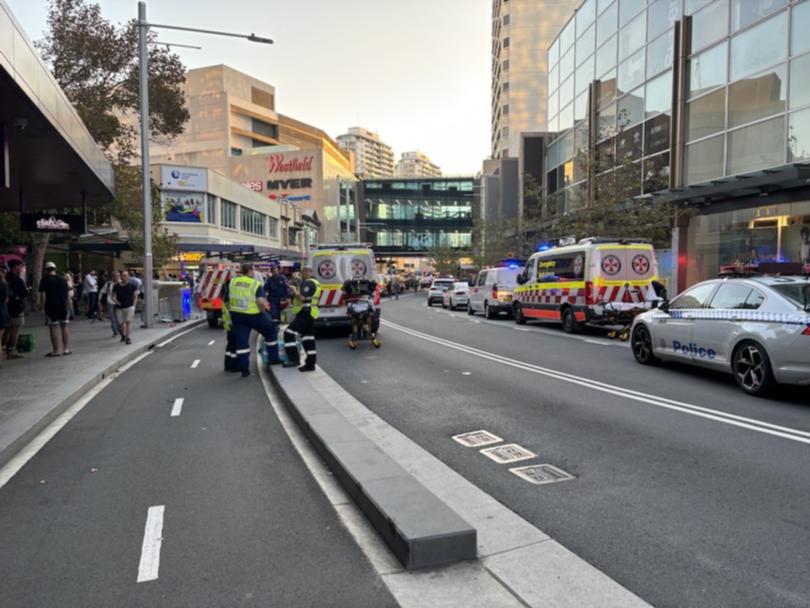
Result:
[
  {"x": 195, "y": 364},
  {"x": 150, "y": 548},
  {"x": 212, "y": 342},
  {"x": 466, "y": 373},
  {"x": 178, "y": 406}
]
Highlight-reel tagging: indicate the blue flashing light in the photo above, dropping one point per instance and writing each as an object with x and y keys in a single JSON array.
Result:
[
  {"x": 513, "y": 266},
  {"x": 544, "y": 246}
]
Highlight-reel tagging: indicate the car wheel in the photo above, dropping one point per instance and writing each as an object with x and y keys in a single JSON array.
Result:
[
  {"x": 488, "y": 312},
  {"x": 518, "y": 316},
  {"x": 752, "y": 368},
  {"x": 470, "y": 310},
  {"x": 569, "y": 322},
  {"x": 641, "y": 343}
]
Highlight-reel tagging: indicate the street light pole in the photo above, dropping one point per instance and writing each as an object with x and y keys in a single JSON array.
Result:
[{"x": 143, "y": 85}]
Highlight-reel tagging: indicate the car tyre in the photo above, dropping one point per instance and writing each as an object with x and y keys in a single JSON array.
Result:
[
  {"x": 569, "y": 322},
  {"x": 518, "y": 315},
  {"x": 752, "y": 368},
  {"x": 488, "y": 312},
  {"x": 641, "y": 343}
]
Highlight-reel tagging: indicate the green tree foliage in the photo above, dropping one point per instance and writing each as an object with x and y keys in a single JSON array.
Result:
[{"x": 445, "y": 259}]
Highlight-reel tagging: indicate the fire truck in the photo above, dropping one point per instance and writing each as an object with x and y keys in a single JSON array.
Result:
[{"x": 210, "y": 294}]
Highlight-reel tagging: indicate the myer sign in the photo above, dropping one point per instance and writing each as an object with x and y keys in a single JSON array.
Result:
[{"x": 193, "y": 179}]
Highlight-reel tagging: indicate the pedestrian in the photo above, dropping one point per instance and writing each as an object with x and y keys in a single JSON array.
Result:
[
  {"x": 136, "y": 280},
  {"x": 396, "y": 287},
  {"x": 55, "y": 302},
  {"x": 126, "y": 292},
  {"x": 108, "y": 298},
  {"x": 278, "y": 293},
  {"x": 18, "y": 292},
  {"x": 78, "y": 291},
  {"x": 5, "y": 318},
  {"x": 305, "y": 309},
  {"x": 91, "y": 290},
  {"x": 247, "y": 306}
]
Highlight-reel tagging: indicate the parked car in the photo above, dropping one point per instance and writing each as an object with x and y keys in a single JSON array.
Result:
[
  {"x": 757, "y": 329},
  {"x": 491, "y": 292},
  {"x": 456, "y": 296},
  {"x": 437, "y": 289}
]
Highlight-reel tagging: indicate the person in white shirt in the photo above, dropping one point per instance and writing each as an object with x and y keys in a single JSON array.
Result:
[{"x": 91, "y": 290}]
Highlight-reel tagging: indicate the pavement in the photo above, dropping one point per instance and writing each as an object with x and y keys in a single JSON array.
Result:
[{"x": 685, "y": 491}]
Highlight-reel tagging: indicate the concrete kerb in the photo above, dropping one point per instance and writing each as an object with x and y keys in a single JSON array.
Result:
[{"x": 8, "y": 451}]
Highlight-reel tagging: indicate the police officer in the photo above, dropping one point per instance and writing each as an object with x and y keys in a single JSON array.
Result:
[
  {"x": 247, "y": 306},
  {"x": 277, "y": 291},
  {"x": 305, "y": 309}
]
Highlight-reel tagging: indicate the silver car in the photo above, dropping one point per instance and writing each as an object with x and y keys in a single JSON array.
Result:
[
  {"x": 756, "y": 328},
  {"x": 437, "y": 289},
  {"x": 456, "y": 296}
]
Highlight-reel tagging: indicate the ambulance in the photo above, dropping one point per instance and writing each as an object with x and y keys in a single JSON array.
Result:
[
  {"x": 334, "y": 263},
  {"x": 211, "y": 284},
  {"x": 597, "y": 281}
]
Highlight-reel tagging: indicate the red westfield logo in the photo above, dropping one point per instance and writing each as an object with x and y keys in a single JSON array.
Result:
[{"x": 277, "y": 164}]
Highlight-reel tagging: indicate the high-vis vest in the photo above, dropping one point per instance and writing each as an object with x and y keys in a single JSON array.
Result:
[
  {"x": 227, "y": 324},
  {"x": 242, "y": 295},
  {"x": 310, "y": 294}
]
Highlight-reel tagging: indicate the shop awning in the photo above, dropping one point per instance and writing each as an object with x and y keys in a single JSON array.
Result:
[{"x": 212, "y": 249}]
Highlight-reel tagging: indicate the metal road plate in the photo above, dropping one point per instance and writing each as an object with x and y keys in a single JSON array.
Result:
[
  {"x": 511, "y": 452},
  {"x": 541, "y": 473},
  {"x": 475, "y": 439}
]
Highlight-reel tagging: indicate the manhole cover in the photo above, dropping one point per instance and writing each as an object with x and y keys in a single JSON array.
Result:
[
  {"x": 475, "y": 439},
  {"x": 511, "y": 452},
  {"x": 542, "y": 473}
]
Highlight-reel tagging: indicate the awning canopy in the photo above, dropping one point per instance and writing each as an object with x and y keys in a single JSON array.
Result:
[{"x": 212, "y": 249}]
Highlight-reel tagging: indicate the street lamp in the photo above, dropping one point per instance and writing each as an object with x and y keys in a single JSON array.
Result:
[{"x": 143, "y": 73}]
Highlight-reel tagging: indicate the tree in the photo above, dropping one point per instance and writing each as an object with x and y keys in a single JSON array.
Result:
[
  {"x": 445, "y": 259},
  {"x": 96, "y": 64}
]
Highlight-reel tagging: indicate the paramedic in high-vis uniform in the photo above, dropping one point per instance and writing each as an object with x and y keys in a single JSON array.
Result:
[
  {"x": 248, "y": 310},
  {"x": 305, "y": 309}
]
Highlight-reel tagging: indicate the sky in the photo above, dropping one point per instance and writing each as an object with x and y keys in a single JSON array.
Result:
[{"x": 415, "y": 71}]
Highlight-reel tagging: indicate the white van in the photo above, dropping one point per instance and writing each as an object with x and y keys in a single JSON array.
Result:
[{"x": 492, "y": 291}]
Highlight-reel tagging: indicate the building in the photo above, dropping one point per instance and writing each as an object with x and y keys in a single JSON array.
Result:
[
  {"x": 710, "y": 102},
  {"x": 406, "y": 218},
  {"x": 235, "y": 130},
  {"x": 522, "y": 31},
  {"x": 373, "y": 157},
  {"x": 417, "y": 164}
]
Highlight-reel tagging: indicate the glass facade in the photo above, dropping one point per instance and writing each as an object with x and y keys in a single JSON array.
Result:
[{"x": 412, "y": 216}]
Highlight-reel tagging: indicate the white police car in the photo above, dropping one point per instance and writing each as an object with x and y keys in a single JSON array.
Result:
[{"x": 757, "y": 328}]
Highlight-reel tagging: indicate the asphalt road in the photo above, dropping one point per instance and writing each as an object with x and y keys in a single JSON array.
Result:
[
  {"x": 687, "y": 491},
  {"x": 244, "y": 522}
]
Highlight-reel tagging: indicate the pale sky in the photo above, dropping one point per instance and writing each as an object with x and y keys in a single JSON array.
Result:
[{"x": 415, "y": 71}]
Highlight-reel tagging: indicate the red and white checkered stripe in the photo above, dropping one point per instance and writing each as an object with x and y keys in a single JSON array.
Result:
[
  {"x": 212, "y": 283},
  {"x": 565, "y": 295},
  {"x": 628, "y": 294},
  {"x": 331, "y": 297}
]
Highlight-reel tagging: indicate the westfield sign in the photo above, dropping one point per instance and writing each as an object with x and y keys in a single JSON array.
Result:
[{"x": 277, "y": 164}]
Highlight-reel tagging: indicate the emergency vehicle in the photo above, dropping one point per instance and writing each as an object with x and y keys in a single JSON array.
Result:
[
  {"x": 599, "y": 281},
  {"x": 334, "y": 263},
  {"x": 210, "y": 294}
]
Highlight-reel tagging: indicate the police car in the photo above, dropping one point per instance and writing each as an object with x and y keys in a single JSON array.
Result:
[{"x": 754, "y": 327}]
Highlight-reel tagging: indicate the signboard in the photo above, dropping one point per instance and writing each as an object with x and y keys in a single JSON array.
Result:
[
  {"x": 193, "y": 179},
  {"x": 255, "y": 185},
  {"x": 184, "y": 206},
  {"x": 276, "y": 163},
  {"x": 52, "y": 222}
]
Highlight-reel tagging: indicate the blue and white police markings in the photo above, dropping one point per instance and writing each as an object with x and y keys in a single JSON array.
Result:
[{"x": 694, "y": 350}]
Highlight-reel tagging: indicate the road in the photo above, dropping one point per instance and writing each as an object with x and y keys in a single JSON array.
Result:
[
  {"x": 243, "y": 521},
  {"x": 686, "y": 491}
]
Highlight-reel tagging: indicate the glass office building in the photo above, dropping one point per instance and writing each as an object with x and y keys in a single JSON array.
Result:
[
  {"x": 702, "y": 96},
  {"x": 409, "y": 217}
]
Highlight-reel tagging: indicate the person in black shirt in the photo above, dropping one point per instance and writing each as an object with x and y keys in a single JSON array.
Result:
[
  {"x": 125, "y": 293},
  {"x": 16, "y": 307},
  {"x": 53, "y": 291}
]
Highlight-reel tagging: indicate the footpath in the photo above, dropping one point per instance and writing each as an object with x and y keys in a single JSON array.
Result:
[{"x": 36, "y": 389}]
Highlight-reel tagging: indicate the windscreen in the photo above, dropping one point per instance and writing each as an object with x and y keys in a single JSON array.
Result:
[{"x": 442, "y": 284}]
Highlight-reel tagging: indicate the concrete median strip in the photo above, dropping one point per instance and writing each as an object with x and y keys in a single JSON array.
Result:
[{"x": 513, "y": 555}]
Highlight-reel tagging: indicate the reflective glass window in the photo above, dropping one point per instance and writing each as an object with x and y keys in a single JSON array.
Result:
[
  {"x": 631, "y": 108},
  {"x": 706, "y": 115},
  {"x": 661, "y": 15},
  {"x": 757, "y": 147},
  {"x": 585, "y": 15},
  {"x": 606, "y": 25},
  {"x": 601, "y": 5},
  {"x": 554, "y": 52},
  {"x": 658, "y": 97},
  {"x": 553, "y": 78},
  {"x": 731, "y": 296},
  {"x": 799, "y": 81},
  {"x": 585, "y": 45},
  {"x": 710, "y": 24},
  {"x": 660, "y": 53},
  {"x": 584, "y": 76},
  {"x": 629, "y": 9},
  {"x": 656, "y": 134},
  {"x": 746, "y": 12},
  {"x": 800, "y": 41},
  {"x": 631, "y": 72},
  {"x": 553, "y": 106},
  {"x": 567, "y": 36},
  {"x": 606, "y": 56},
  {"x": 607, "y": 88},
  {"x": 566, "y": 117},
  {"x": 567, "y": 92},
  {"x": 695, "y": 297},
  {"x": 581, "y": 106},
  {"x": 607, "y": 121},
  {"x": 567, "y": 65},
  {"x": 799, "y": 136},
  {"x": 656, "y": 173},
  {"x": 580, "y": 131},
  {"x": 605, "y": 154},
  {"x": 704, "y": 160},
  {"x": 759, "y": 47},
  {"x": 628, "y": 144},
  {"x": 707, "y": 70},
  {"x": 553, "y": 124},
  {"x": 631, "y": 37},
  {"x": 757, "y": 96},
  {"x": 692, "y": 6}
]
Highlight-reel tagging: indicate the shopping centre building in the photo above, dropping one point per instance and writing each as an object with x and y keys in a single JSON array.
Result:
[{"x": 711, "y": 102}]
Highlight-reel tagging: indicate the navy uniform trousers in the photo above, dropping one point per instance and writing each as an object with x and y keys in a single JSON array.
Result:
[
  {"x": 303, "y": 325},
  {"x": 242, "y": 325}
]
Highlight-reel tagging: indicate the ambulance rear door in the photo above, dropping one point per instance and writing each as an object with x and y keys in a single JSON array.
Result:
[{"x": 623, "y": 273}]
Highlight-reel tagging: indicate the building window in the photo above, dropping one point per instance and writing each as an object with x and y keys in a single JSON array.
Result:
[
  {"x": 707, "y": 70},
  {"x": 799, "y": 136},
  {"x": 236, "y": 151},
  {"x": 799, "y": 83},
  {"x": 710, "y": 24},
  {"x": 704, "y": 160},
  {"x": 211, "y": 209},
  {"x": 746, "y": 12},
  {"x": 265, "y": 128},
  {"x": 757, "y": 97},
  {"x": 606, "y": 57},
  {"x": 606, "y": 25},
  {"x": 632, "y": 37},
  {"x": 660, "y": 16},
  {"x": 505, "y": 65},
  {"x": 506, "y": 109},
  {"x": 262, "y": 98},
  {"x": 228, "y": 210},
  {"x": 759, "y": 47},
  {"x": 706, "y": 115},
  {"x": 800, "y": 41},
  {"x": 506, "y": 42},
  {"x": 253, "y": 221},
  {"x": 757, "y": 147},
  {"x": 660, "y": 53},
  {"x": 506, "y": 19},
  {"x": 272, "y": 230}
]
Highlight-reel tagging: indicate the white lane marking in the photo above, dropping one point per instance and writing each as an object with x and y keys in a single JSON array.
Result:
[
  {"x": 599, "y": 342},
  {"x": 181, "y": 334},
  {"x": 466, "y": 373},
  {"x": 195, "y": 364},
  {"x": 211, "y": 343},
  {"x": 10, "y": 469},
  {"x": 752, "y": 424},
  {"x": 177, "y": 407},
  {"x": 520, "y": 328},
  {"x": 150, "y": 549}
]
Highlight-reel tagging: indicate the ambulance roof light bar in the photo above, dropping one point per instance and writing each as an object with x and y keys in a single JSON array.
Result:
[{"x": 600, "y": 240}]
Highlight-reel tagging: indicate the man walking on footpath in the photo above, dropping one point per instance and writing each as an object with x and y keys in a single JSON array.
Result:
[
  {"x": 125, "y": 294},
  {"x": 305, "y": 309},
  {"x": 248, "y": 306},
  {"x": 54, "y": 302},
  {"x": 91, "y": 290},
  {"x": 17, "y": 292}
]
